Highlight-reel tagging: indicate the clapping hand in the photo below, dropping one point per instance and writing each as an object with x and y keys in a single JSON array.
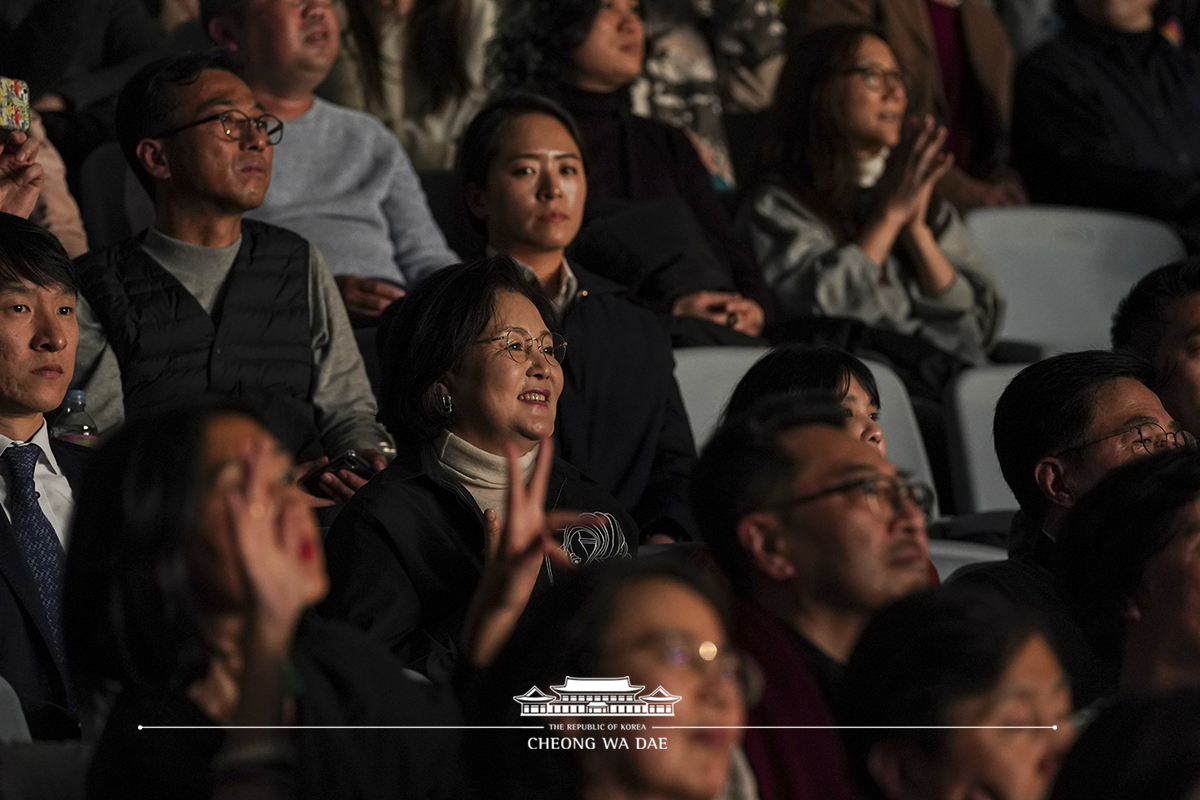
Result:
[{"x": 913, "y": 169}]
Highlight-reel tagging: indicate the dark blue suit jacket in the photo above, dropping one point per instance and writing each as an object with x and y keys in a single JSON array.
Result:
[{"x": 27, "y": 660}]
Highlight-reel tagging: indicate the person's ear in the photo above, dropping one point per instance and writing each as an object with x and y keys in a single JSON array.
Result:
[
  {"x": 475, "y": 201},
  {"x": 762, "y": 537},
  {"x": 222, "y": 33},
  {"x": 898, "y": 770},
  {"x": 1050, "y": 474},
  {"x": 152, "y": 155}
]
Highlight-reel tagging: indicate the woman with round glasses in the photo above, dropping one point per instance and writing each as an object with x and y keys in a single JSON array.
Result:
[
  {"x": 612, "y": 631},
  {"x": 846, "y": 222},
  {"x": 621, "y": 417},
  {"x": 471, "y": 373}
]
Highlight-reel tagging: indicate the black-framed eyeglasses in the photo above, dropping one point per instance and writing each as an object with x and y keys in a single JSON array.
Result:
[
  {"x": 877, "y": 78},
  {"x": 884, "y": 495},
  {"x": 1149, "y": 437},
  {"x": 519, "y": 345},
  {"x": 237, "y": 126}
]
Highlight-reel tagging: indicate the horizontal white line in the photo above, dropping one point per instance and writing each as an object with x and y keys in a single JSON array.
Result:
[
  {"x": 858, "y": 727},
  {"x": 340, "y": 727}
]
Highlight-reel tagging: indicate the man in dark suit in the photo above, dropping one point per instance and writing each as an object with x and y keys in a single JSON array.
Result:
[{"x": 38, "y": 336}]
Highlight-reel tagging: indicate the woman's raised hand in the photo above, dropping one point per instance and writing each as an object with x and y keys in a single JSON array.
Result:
[
  {"x": 513, "y": 556},
  {"x": 278, "y": 542},
  {"x": 914, "y": 168}
]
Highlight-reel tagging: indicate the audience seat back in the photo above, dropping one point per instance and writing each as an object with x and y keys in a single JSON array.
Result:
[
  {"x": 12, "y": 718},
  {"x": 707, "y": 377},
  {"x": 1064, "y": 270},
  {"x": 898, "y": 421},
  {"x": 950, "y": 556},
  {"x": 112, "y": 203},
  {"x": 978, "y": 483}
]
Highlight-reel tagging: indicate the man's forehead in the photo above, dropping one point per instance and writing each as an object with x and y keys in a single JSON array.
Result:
[
  {"x": 213, "y": 89},
  {"x": 826, "y": 452},
  {"x": 28, "y": 287},
  {"x": 1124, "y": 401}
]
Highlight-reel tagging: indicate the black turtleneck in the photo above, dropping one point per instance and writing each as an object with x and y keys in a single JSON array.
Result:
[
  {"x": 1108, "y": 119},
  {"x": 632, "y": 159}
]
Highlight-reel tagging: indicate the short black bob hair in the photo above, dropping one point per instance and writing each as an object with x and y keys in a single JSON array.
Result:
[
  {"x": 745, "y": 467},
  {"x": 920, "y": 656},
  {"x": 433, "y": 329},
  {"x": 793, "y": 369},
  {"x": 1047, "y": 408},
  {"x": 146, "y": 106},
  {"x": 1113, "y": 532},
  {"x": 480, "y": 141},
  {"x": 561, "y": 634},
  {"x": 535, "y": 40},
  {"x": 131, "y": 611},
  {"x": 29, "y": 252},
  {"x": 1143, "y": 315}
]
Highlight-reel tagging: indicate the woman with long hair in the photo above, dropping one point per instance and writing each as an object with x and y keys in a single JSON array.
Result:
[
  {"x": 846, "y": 222},
  {"x": 418, "y": 66}
]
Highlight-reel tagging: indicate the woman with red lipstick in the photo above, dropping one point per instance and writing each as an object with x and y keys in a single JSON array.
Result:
[
  {"x": 190, "y": 576},
  {"x": 620, "y": 417},
  {"x": 846, "y": 223},
  {"x": 652, "y": 623},
  {"x": 472, "y": 367}
]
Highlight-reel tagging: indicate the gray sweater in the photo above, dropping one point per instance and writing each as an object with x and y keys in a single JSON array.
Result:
[
  {"x": 813, "y": 273},
  {"x": 341, "y": 180},
  {"x": 341, "y": 392}
]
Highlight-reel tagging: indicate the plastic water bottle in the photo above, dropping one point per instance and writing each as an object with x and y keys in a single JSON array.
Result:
[{"x": 75, "y": 424}]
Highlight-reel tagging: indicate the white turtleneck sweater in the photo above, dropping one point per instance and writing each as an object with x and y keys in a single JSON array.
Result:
[{"x": 481, "y": 473}]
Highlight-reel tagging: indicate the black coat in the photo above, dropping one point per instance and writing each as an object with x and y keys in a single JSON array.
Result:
[
  {"x": 621, "y": 418},
  {"x": 345, "y": 680},
  {"x": 1027, "y": 579},
  {"x": 1107, "y": 119},
  {"x": 406, "y": 553},
  {"x": 27, "y": 659}
]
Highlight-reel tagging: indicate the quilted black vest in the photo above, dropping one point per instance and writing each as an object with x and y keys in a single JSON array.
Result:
[{"x": 255, "y": 349}]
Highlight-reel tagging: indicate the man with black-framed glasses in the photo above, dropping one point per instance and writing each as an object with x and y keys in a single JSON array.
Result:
[
  {"x": 817, "y": 531},
  {"x": 1060, "y": 427},
  {"x": 208, "y": 304}
]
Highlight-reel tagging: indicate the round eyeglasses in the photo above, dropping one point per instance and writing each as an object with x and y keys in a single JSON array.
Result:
[
  {"x": 519, "y": 345},
  {"x": 706, "y": 660},
  {"x": 237, "y": 126},
  {"x": 884, "y": 495},
  {"x": 1149, "y": 437}
]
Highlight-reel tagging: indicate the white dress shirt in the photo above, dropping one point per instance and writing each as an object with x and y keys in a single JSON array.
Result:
[{"x": 54, "y": 492}]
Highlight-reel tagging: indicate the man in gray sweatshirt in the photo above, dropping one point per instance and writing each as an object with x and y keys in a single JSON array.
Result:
[
  {"x": 341, "y": 177},
  {"x": 206, "y": 303}
]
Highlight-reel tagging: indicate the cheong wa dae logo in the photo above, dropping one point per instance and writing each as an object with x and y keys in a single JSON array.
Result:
[{"x": 597, "y": 696}]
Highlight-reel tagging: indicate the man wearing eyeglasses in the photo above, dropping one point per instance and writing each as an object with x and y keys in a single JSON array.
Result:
[
  {"x": 341, "y": 177},
  {"x": 817, "y": 531},
  {"x": 207, "y": 304},
  {"x": 1060, "y": 426}
]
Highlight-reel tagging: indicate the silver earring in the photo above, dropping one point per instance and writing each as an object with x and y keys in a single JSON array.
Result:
[{"x": 447, "y": 404}]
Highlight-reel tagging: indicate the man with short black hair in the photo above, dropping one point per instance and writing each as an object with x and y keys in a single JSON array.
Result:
[
  {"x": 207, "y": 303},
  {"x": 1060, "y": 426},
  {"x": 1159, "y": 320},
  {"x": 38, "y": 336},
  {"x": 817, "y": 531}
]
